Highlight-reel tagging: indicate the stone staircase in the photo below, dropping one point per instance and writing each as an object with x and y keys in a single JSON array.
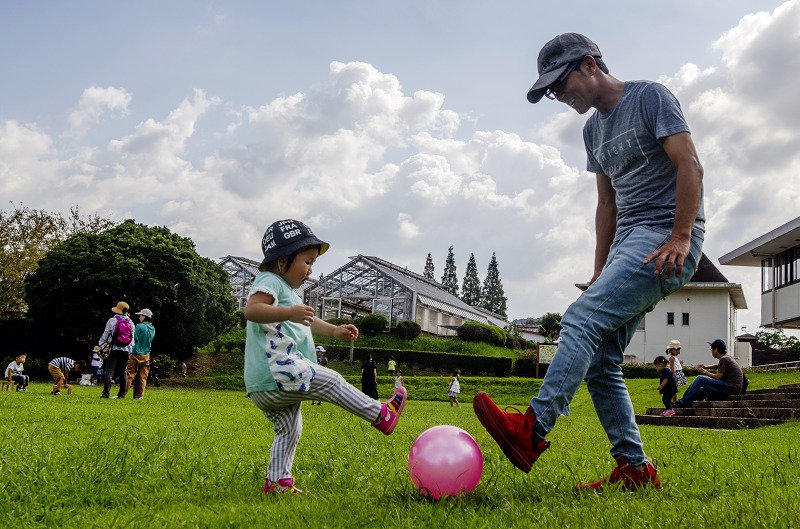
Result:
[{"x": 755, "y": 408}]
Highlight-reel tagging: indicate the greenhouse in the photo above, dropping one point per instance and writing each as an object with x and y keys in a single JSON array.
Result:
[
  {"x": 241, "y": 272},
  {"x": 369, "y": 285}
]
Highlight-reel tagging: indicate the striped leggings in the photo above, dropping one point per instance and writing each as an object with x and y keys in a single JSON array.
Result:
[{"x": 282, "y": 409}]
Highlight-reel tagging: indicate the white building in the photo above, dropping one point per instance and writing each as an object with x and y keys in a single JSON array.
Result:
[
  {"x": 700, "y": 312},
  {"x": 778, "y": 255}
]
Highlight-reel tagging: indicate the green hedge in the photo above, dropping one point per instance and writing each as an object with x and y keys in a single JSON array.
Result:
[
  {"x": 650, "y": 371},
  {"x": 468, "y": 364},
  {"x": 526, "y": 368},
  {"x": 472, "y": 331}
]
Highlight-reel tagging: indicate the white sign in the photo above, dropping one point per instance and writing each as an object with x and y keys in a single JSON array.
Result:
[{"x": 546, "y": 353}]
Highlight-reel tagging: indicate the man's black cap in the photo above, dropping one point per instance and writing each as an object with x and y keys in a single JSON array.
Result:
[{"x": 554, "y": 58}]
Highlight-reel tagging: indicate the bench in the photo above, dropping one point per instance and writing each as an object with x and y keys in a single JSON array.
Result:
[
  {"x": 6, "y": 385},
  {"x": 69, "y": 389}
]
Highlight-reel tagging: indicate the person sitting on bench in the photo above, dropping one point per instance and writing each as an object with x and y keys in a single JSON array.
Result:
[{"x": 728, "y": 379}]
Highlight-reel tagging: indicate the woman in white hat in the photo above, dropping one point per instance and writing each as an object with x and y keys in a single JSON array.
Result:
[{"x": 139, "y": 363}]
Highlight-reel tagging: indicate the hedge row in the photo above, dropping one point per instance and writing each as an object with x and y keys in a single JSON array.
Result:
[
  {"x": 467, "y": 364},
  {"x": 650, "y": 371}
]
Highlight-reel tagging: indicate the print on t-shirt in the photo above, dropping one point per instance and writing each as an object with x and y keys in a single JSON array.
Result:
[{"x": 622, "y": 156}]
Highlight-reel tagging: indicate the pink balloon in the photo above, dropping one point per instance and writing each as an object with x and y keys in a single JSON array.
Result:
[{"x": 444, "y": 461}]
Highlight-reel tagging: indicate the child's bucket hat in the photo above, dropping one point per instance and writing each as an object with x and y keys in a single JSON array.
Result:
[{"x": 285, "y": 237}]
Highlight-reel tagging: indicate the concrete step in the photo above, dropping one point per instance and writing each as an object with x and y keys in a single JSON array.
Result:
[
  {"x": 757, "y": 413},
  {"x": 789, "y": 386},
  {"x": 773, "y": 391},
  {"x": 790, "y": 403},
  {"x": 784, "y": 395},
  {"x": 715, "y": 423}
]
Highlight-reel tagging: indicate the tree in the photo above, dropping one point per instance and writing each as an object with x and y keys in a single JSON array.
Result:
[
  {"x": 777, "y": 339},
  {"x": 550, "y": 325},
  {"x": 428, "y": 273},
  {"x": 471, "y": 287},
  {"x": 25, "y": 237},
  {"x": 450, "y": 279},
  {"x": 76, "y": 283},
  {"x": 493, "y": 298}
]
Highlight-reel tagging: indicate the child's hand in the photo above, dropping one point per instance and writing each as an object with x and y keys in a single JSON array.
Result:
[
  {"x": 345, "y": 332},
  {"x": 301, "y": 314}
]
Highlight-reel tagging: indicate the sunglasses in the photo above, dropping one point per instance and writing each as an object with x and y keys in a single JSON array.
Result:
[{"x": 556, "y": 87}]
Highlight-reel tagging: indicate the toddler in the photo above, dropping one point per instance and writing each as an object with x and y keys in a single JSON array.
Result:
[
  {"x": 398, "y": 379},
  {"x": 280, "y": 361},
  {"x": 454, "y": 389},
  {"x": 667, "y": 387}
]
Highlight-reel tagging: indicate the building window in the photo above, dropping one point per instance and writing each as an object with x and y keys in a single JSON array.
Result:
[
  {"x": 685, "y": 318},
  {"x": 670, "y": 318},
  {"x": 766, "y": 275},
  {"x": 433, "y": 320}
]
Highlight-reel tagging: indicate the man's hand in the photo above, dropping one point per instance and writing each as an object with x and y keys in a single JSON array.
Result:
[
  {"x": 701, "y": 366},
  {"x": 673, "y": 254},
  {"x": 301, "y": 314},
  {"x": 345, "y": 332}
]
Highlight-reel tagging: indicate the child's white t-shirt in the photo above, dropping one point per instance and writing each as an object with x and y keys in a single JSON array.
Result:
[
  {"x": 455, "y": 387},
  {"x": 16, "y": 369},
  {"x": 278, "y": 356}
]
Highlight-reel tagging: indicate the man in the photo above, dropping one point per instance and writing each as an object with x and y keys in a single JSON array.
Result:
[
  {"x": 118, "y": 331},
  {"x": 649, "y": 229},
  {"x": 728, "y": 380}
]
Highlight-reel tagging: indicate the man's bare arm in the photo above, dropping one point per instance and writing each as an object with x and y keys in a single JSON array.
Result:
[
  {"x": 681, "y": 151},
  {"x": 605, "y": 222}
]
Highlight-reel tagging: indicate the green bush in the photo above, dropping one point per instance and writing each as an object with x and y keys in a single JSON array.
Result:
[
  {"x": 472, "y": 331},
  {"x": 373, "y": 324},
  {"x": 468, "y": 364},
  {"x": 408, "y": 330},
  {"x": 166, "y": 365},
  {"x": 650, "y": 371},
  {"x": 338, "y": 321},
  {"x": 239, "y": 318},
  {"x": 512, "y": 343},
  {"x": 526, "y": 367}
]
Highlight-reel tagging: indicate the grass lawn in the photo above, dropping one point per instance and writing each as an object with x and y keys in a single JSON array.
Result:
[{"x": 197, "y": 458}]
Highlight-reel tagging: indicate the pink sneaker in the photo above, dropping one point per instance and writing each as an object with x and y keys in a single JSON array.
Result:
[
  {"x": 668, "y": 413},
  {"x": 283, "y": 486},
  {"x": 391, "y": 410}
]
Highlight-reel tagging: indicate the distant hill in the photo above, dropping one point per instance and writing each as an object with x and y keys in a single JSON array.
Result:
[{"x": 527, "y": 321}]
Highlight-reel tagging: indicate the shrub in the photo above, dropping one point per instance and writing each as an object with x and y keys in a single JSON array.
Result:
[
  {"x": 338, "y": 321},
  {"x": 468, "y": 364},
  {"x": 526, "y": 367},
  {"x": 217, "y": 345},
  {"x": 650, "y": 371},
  {"x": 373, "y": 324},
  {"x": 512, "y": 343},
  {"x": 408, "y": 330},
  {"x": 239, "y": 318},
  {"x": 166, "y": 365},
  {"x": 470, "y": 331}
]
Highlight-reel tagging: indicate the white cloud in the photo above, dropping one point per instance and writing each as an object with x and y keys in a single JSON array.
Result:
[
  {"x": 93, "y": 104},
  {"x": 408, "y": 229}
]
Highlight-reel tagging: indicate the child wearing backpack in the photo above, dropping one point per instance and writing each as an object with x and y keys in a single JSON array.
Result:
[
  {"x": 118, "y": 332},
  {"x": 280, "y": 368}
]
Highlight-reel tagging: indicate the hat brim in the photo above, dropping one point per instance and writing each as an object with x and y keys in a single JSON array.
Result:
[
  {"x": 286, "y": 251},
  {"x": 115, "y": 310},
  {"x": 538, "y": 89}
]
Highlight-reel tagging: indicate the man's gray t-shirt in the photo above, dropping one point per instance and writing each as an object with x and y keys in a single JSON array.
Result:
[
  {"x": 625, "y": 145},
  {"x": 731, "y": 374}
]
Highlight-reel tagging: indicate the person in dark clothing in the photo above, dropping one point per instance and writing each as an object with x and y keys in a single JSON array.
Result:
[
  {"x": 668, "y": 386},
  {"x": 369, "y": 378}
]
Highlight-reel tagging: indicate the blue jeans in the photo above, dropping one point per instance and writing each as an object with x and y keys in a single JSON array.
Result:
[
  {"x": 596, "y": 330},
  {"x": 21, "y": 380},
  {"x": 702, "y": 388}
]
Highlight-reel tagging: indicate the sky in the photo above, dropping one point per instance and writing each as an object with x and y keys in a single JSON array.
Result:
[{"x": 394, "y": 129}]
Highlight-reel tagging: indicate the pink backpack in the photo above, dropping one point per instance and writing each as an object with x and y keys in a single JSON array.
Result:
[{"x": 123, "y": 331}]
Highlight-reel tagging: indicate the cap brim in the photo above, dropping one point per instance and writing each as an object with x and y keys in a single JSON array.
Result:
[
  {"x": 538, "y": 89},
  {"x": 286, "y": 251}
]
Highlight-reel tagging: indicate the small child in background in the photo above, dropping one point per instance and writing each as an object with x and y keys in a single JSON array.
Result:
[
  {"x": 322, "y": 361},
  {"x": 391, "y": 367},
  {"x": 668, "y": 388},
  {"x": 14, "y": 373},
  {"x": 279, "y": 359},
  {"x": 454, "y": 389},
  {"x": 96, "y": 363},
  {"x": 398, "y": 379},
  {"x": 676, "y": 364}
]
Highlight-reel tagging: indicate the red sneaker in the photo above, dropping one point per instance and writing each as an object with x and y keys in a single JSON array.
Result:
[
  {"x": 628, "y": 477},
  {"x": 512, "y": 431}
]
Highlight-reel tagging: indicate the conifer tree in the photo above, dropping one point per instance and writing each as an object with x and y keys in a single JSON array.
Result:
[
  {"x": 471, "y": 288},
  {"x": 492, "y": 296},
  {"x": 450, "y": 279},
  {"x": 428, "y": 273}
]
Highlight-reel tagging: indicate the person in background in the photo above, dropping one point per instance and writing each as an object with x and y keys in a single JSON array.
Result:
[
  {"x": 676, "y": 365},
  {"x": 392, "y": 367},
  {"x": 59, "y": 368},
  {"x": 119, "y": 332},
  {"x": 728, "y": 380},
  {"x": 184, "y": 369},
  {"x": 321, "y": 361},
  {"x": 139, "y": 362},
  {"x": 398, "y": 379},
  {"x": 454, "y": 389},
  {"x": 667, "y": 387},
  {"x": 369, "y": 378},
  {"x": 14, "y": 373},
  {"x": 96, "y": 362}
]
